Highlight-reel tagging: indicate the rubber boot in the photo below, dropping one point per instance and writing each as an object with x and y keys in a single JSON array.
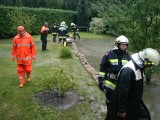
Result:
[{"x": 22, "y": 82}]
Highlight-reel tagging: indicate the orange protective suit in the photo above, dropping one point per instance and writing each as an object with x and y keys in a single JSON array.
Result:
[{"x": 24, "y": 50}]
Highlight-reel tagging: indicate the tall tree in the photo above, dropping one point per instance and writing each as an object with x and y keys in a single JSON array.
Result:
[
  {"x": 41, "y": 3},
  {"x": 18, "y": 3},
  {"x": 145, "y": 21},
  {"x": 8, "y": 3},
  {"x": 56, "y": 4},
  {"x": 70, "y": 4},
  {"x": 82, "y": 13},
  {"x": 144, "y": 29}
]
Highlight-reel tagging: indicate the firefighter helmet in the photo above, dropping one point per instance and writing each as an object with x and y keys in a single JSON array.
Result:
[
  {"x": 121, "y": 40},
  {"x": 63, "y": 23},
  {"x": 72, "y": 24},
  {"x": 150, "y": 55},
  {"x": 45, "y": 23}
]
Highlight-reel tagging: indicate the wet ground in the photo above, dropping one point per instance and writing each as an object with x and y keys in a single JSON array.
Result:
[
  {"x": 94, "y": 49},
  {"x": 51, "y": 98}
]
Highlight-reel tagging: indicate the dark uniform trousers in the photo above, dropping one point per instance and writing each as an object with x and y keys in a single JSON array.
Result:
[{"x": 44, "y": 41}]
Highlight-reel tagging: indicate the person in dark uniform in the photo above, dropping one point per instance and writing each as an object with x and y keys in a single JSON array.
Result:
[
  {"x": 55, "y": 28},
  {"x": 44, "y": 33},
  {"x": 62, "y": 32},
  {"x": 110, "y": 65},
  {"x": 75, "y": 31},
  {"x": 126, "y": 102}
]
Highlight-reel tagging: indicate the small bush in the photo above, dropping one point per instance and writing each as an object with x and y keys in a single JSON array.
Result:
[
  {"x": 97, "y": 25},
  {"x": 58, "y": 79},
  {"x": 65, "y": 53}
]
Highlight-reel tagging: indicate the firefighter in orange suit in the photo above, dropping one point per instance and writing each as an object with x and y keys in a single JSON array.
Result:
[{"x": 24, "y": 50}]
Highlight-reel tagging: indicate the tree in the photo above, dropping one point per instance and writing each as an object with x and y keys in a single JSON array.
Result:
[
  {"x": 8, "y": 3},
  {"x": 145, "y": 21},
  {"x": 18, "y": 3},
  {"x": 144, "y": 28},
  {"x": 113, "y": 15},
  {"x": 82, "y": 13},
  {"x": 97, "y": 25},
  {"x": 70, "y": 4},
  {"x": 56, "y": 4}
]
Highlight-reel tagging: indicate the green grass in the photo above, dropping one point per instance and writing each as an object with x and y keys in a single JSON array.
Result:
[{"x": 17, "y": 103}]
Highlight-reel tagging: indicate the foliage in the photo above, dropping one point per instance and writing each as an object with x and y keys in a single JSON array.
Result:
[
  {"x": 139, "y": 20},
  {"x": 24, "y": 19},
  {"x": 8, "y": 3},
  {"x": 97, "y": 25},
  {"x": 144, "y": 23},
  {"x": 18, "y": 3},
  {"x": 70, "y": 4},
  {"x": 82, "y": 13},
  {"x": 144, "y": 27},
  {"x": 55, "y": 4},
  {"x": 58, "y": 79},
  {"x": 113, "y": 16},
  {"x": 149, "y": 72},
  {"x": 31, "y": 19},
  {"x": 65, "y": 53}
]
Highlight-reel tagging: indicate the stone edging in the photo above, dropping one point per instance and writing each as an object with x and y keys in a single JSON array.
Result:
[{"x": 85, "y": 63}]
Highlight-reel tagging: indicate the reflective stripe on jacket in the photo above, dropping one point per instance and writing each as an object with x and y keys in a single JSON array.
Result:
[
  {"x": 24, "y": 49},
  {"x": 62, "y": 32},
  {"x": 111, "y": 64},
  {"x": 127, "y": 96}
]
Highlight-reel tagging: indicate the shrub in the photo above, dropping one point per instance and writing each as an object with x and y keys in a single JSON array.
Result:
[
  {"x": 65, "y": 53},
  {"x": 31, "y": 18},
  {"x": 58, "y": 80},
  {"x": 97, "y": 25}
]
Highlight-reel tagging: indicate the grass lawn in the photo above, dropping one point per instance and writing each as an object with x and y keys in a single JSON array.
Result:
[{"x": 17, "y": 103}]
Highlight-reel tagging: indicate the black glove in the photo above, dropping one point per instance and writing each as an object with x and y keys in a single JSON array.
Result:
[{"x": 100, "y": 81}]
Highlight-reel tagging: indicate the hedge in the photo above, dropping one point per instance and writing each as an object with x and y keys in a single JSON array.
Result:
[{"x": 31, "y": 18}]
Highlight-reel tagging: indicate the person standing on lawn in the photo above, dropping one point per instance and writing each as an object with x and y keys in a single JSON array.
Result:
[
  {"x": 24, "y": 51},
  {"x": 110, "y": 65},
  {"x": 44, "y": 33},
  {"x": 62, "y": 33},
  {"x": 55, "y": 28}
]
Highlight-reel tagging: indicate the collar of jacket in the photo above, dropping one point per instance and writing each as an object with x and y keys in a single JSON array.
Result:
[
  {"x": 120, "y": 52},
  {"x": 137, "y": 60}
]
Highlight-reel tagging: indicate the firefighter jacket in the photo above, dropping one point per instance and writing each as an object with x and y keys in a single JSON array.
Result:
[
  {"x": 62, "y": 32},
  {"x": 55, "y": 28},
  {"x": 24, "y": 49},
  {"x": 111, "y": 64},
  {"x": 127, "y": 96},
  {"x": 74, "y": 28}
]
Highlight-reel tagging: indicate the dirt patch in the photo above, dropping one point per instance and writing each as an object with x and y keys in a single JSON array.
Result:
[{"x": 51, "y": 99}]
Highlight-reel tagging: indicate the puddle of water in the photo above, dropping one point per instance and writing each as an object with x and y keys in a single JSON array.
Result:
[{"x": 151, "y": 98}]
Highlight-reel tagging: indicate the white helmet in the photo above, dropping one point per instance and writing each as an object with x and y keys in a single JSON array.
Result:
[
  {"x": 121, "y": 40},
  {"x": 150, "y": 55},
  {"x": 72, "y": 24},
  {"x": 63, "y": 23}
]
